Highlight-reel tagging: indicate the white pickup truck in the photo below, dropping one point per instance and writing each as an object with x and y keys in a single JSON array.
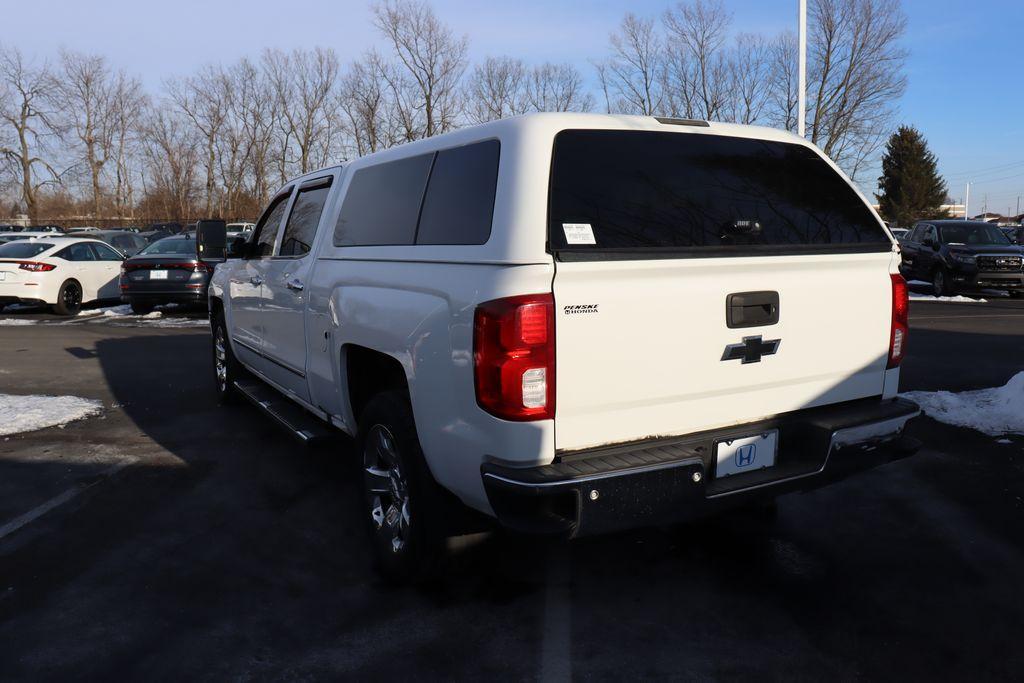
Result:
[{"x": 572, "y": 323}]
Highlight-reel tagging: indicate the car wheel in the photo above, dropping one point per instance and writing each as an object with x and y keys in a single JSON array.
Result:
[
  {"x": 1017, "y": 295},
  {"x": 941, "y": 282},
  {"x": 226, "y": 368},
  {"x": 69, "y": 299},
  {"x": 402, "y": 502},
  {"x": 140, "y": 308}
]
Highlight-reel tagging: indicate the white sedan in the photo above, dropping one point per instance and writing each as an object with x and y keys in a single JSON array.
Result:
[{"x": 63, "y": 272}]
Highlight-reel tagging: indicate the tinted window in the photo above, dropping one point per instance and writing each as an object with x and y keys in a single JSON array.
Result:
[
  {"x": 23, "y": 249},
  {"x": 972, "y": 233},
  {"x": 382, "y": 203},
  {"x": 459, "y": 203},
  {"x": 270, "y": 225},
  {"x": 647, "y": 191},
  {"x": 105, "y": 253},
  {"x": 302, "y": 222},
  {"x": 171, "y": 246},
  {"x": 77, "y": 252},
  {"x": 123, "y": 242}
]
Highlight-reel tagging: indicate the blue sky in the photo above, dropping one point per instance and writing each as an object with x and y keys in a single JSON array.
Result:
[{"x": 966, "y": 65}]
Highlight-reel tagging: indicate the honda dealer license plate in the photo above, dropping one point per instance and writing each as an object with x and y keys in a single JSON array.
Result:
[
  {"x": 746, "y": 454},
  {"x": 158, "y": 275}
]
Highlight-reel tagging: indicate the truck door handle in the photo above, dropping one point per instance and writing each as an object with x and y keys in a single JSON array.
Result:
[
  {"x": 256, "y": 280},
  {"x": 294, "y": 284},
  {"x": 751, "y": 309}
]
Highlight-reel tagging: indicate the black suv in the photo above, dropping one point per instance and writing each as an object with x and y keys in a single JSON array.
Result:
[{"x": 962, "y": 255}]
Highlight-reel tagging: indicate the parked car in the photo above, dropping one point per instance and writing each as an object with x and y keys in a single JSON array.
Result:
[
  {"x": 571, "y": 324},
  {"x": 14, "y": 236},
  {"x": 62, "y": 272},
  {"x": 166, "y": 271},
  {"x": 171, "y": 228},
  {"x": 47, "y": 228},
  {"x": 128, "y": 243},
  {"x": 81, "y": 229},
  {"x": 957, "y": 255}
]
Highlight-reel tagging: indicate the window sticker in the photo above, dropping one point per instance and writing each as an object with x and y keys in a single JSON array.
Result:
[{"x": 578, "y": 233}]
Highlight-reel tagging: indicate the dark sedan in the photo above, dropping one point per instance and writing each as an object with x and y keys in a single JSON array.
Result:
[
  {"x": 127, "y": 242},
  {"x": 167, "y": 271}
]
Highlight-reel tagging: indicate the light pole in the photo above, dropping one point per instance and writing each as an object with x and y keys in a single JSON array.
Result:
[
  {"x": 967, "y": 200},
  {"x": 801, "y": 97}
]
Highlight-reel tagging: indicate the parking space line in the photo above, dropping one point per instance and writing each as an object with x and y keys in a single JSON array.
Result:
[{"x": 55, "y": 502}]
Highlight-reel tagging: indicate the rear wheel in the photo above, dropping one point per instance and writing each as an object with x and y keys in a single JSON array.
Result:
[
  {"x": 141, "y": 308},
  {"x": 69, "y": 299},
  {"x": 941, "y": 283},
  {"x": 226, "y": 368},
  {"x": 403, "y": 503},
  {"x": 1016, "y": 294}
]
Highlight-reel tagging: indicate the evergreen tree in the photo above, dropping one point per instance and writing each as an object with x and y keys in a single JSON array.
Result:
[{"x": 910, "y": 185}]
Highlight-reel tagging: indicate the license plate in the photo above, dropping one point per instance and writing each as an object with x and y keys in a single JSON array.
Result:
[
  {"x": 158, "y": 275},
  {"x": 746, "y": 454}
]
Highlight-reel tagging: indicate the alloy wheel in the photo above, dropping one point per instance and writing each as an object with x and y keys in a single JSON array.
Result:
[
  {"x": 388, "y": 490},
  {"x": 220, "y": 359}
]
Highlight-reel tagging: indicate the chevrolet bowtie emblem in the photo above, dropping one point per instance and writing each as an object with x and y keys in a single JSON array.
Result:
[{"x": 751, "y": 350}]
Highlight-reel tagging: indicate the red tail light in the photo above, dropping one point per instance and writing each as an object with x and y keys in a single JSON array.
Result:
[
  {"x": 900, "y": 321},
  {"x": 36, "y": 267},
  {"x": 514, "y": 357}
]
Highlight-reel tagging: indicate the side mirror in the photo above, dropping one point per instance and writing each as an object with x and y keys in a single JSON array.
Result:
[
  {"x": 238, "y": 247},
  {"x": 211, "y": 239}
]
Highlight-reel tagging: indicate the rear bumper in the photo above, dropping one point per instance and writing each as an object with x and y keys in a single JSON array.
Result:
[
  {"x": 671, "y": 480},
  {"x": 191, "y": 296}
]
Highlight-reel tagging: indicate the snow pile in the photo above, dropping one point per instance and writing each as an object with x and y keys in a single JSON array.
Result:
[
  {"x": 949, "y": 299},
  {"x": 16, "y": 321},
  {"x": 991, "y": 411},
  {"x": 28, "y": 413}
]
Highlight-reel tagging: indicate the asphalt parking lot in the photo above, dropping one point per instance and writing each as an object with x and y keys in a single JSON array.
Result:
[{"x": 168, "y": 538}]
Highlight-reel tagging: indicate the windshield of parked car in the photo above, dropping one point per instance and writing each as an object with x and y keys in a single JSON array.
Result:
[
  {"x": 170, "y": 247},
  {"x": 970, "y": 234},
  {"x": 23, "y": 249},
  {"x": 638, "y": 191}
]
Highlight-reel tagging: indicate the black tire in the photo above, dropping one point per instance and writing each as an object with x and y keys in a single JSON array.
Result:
[
  {"x": 1016, "y": 294},
  {"x": 941, "y": 283},
  {"x": 69, "y": 298},
  {"x": 403, "y": 505},
  {"x": 226, "y": 368},
  {"x": 141, "y": 307}
]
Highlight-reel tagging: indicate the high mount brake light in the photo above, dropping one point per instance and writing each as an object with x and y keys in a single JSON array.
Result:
[
  {"x": 900, "y": 321},
  {"x": 514, "y": 357}
]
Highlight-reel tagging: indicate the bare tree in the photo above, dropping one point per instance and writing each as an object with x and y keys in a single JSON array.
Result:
[
  {"x": 431, "y": 61},
  {"x": 696, "y": 37},
  {"x": 497, "y": 89},
  {"x": 130, "y": 103},
  {"x": 782, "y": 79},
  {"x": 203, "y": 99},
  {"x": 748, "y": 81},
  {"x": 557, "y": 87},
  {"x": 171, "y": 150},
  {"x": 26, "y": 94},
  {"x": 253, "y": 109},
  {"x": 631, "y": 75},
  {"x": 855, "y": 74},
  {"x": 364, "y": 99},
  {"x": 304, "y": 84}
]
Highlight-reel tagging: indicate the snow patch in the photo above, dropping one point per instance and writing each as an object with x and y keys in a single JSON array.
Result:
[
  {"x": 28, "y": 413},
  {"x": 994, "y": 411},
  {"x": 948, "y": 299},
  {"x": 1004, "y": 440},
  {"x": 16, "y": 321}
]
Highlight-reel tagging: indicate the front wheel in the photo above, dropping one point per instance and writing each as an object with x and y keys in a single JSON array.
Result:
[
  {"x": 402, "y": 501},
  {"x": 69, "y": 299},
  {"x": 941, "y": 284},
  {"x": 226, "y": 368}
]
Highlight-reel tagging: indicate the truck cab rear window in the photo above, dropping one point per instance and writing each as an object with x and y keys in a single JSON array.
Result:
[{"x": 648, "y": 194}]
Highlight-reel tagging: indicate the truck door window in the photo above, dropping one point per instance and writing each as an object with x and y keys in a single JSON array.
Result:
[
  {"x": 269, "y": 225},
  {"x": 304, "y": 218}
]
